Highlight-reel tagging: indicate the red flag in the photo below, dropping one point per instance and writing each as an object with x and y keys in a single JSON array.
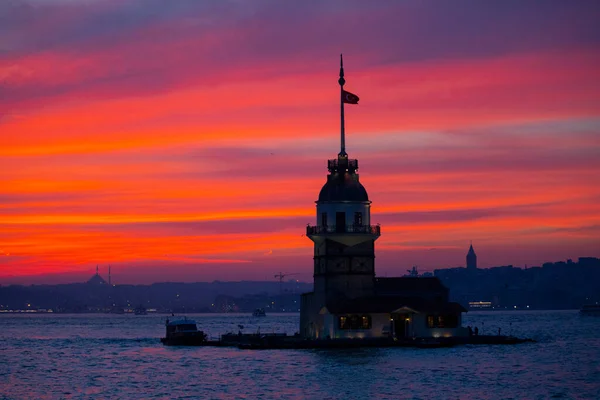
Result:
[{"x": 349, "y": 98}]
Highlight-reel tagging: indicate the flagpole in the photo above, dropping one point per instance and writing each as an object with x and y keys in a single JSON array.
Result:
[{"x": 341, "y": 81}]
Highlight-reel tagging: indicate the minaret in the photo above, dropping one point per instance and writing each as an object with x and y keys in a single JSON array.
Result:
[
  {"x": 471, "y": 258},
  {"x": 109, "y": 282},
  {"x": 344, "y": 239}
]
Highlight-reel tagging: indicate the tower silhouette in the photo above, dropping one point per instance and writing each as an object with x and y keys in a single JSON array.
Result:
[
  {"x": 471, "y": 258},
  {"x": 343, "y": 237}
]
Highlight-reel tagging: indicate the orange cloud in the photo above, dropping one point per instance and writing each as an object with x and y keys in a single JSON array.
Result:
[{"x": 207, "y": 145}]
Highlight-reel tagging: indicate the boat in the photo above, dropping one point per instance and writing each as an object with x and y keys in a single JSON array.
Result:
[
  {"x": 183, "y": 332},
  {"x": 259, "y": 312},
  {"x": 590, "y": 309}
]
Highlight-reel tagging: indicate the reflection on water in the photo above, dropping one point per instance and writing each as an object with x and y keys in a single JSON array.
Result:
[{"x": 119, "y": 356}]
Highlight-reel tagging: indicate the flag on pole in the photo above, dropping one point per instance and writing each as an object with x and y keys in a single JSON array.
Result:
[{"x": 350, "y": 98}]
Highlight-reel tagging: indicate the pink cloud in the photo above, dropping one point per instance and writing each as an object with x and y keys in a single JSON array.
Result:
[{"x": 134, "y": 132}]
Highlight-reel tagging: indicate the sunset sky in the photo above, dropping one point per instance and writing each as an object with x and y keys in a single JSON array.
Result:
[{"x": 188, "y": 140}]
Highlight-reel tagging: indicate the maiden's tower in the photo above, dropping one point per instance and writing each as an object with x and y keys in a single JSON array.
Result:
[{"x": 348, "y": 300}]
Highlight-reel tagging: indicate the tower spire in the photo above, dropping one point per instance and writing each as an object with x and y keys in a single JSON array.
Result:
[{"x": 342, "y": 81}]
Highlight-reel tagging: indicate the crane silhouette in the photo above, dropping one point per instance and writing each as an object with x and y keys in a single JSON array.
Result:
[{"x": 281, "y": 275}]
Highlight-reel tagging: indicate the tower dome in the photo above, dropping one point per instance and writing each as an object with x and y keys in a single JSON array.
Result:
[{"x": 342, "y": 183}]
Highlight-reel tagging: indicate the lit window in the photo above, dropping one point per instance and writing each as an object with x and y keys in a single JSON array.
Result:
[
  {"x": 442, "y": 321},
  {"x": 355, "y": 322},
  {"x": 366, "y": 322},
  {"x": 430, "y": 321}
]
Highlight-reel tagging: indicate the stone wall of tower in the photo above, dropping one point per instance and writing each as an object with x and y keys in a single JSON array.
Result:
[
  {"x": 349, "y": 209},
  {"x": 311, "y": 321},
  {"x": 344, "y": 266}
]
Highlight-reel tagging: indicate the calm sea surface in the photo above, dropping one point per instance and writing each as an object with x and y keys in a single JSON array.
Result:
[{"x": 120, "y": 356}]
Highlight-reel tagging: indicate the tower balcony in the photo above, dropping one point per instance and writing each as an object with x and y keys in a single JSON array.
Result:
[{"x": 348, "y": 229}]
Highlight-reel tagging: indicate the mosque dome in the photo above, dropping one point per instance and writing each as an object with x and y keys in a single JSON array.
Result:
[
  {"x": 96, "y": 280},
  {"x": 343, "y": 187}
]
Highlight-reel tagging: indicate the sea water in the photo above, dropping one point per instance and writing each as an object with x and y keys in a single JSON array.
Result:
[{"x": 54, "y": 356}]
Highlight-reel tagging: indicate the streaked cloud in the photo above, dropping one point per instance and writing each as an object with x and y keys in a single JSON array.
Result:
[{"x": 189, "y": 135}]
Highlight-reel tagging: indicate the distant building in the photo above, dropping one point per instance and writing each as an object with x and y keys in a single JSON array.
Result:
[
  {"x": 96, "y": 279},
  {"x": 480, "y": 304},
  {"x": 589, "y": 261},
  {"x": 471, "y": 258},
  {"x": 347, "y": 300}
]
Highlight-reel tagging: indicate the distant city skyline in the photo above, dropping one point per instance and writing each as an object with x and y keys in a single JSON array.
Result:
[{"x": 188, "y": 141}]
